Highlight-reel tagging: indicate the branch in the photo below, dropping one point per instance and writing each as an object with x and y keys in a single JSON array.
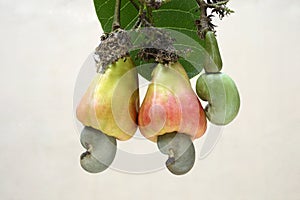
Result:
[{"x": 204, "y": 23}]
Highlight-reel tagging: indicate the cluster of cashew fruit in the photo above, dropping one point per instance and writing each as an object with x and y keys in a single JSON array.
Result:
[
  {"x": 217, "y": 88},
  {"x": 170, "y": 115}
]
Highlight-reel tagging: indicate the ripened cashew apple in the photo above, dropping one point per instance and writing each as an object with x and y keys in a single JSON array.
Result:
[
  {"x": 111, "y": 102},
  {"x": 171, "y": 105},
  {"x": 222, "y": 95}
]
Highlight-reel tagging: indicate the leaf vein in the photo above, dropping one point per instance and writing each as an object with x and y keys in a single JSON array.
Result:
[
  {"x": 174, "y": 10},
  {"x": 102, "y": 5}
]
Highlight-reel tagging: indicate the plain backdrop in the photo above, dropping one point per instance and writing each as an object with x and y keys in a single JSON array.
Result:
[{"x": 42, "y": 47}]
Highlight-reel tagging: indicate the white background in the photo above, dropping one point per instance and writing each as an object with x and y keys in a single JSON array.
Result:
[{"x": 42, "y": 47}]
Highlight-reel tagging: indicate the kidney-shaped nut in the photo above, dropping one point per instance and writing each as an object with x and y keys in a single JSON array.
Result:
[
  {"x": 222, "y": 95},
  {"x": 101, "y": 150},
  {"x": 181, "y": 151}
]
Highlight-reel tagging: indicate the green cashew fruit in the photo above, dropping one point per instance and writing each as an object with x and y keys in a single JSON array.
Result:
[
  {"x": 222, "y": 95},
  {"x": 214, "y": 62}
]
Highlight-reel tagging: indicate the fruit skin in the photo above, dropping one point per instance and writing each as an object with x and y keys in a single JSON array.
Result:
[
  {"x": 111, "y": 102},
  {"x": 171, "y": 105},
  {"x": 214, "y": 61},
  {"x": 222, "y": 95},
  {"x": 181, "y": 151},
  {"x": 101, "y": 150}
]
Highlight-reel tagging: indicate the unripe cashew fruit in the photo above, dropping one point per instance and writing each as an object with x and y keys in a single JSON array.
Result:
[
  {"x": 171, "y": 105},
  {"x": 222, "y": 95},
  {"x": 111, "y": 102},
  {"x": 214, "y": 62}
]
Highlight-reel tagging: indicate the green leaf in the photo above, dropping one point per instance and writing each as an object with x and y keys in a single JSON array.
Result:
[
  {"x": 105, "y": 12},
  {"x": 176, "y": 15}
]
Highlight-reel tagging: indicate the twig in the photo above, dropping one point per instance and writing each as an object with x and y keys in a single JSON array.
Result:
[
  {"x": 116, "y": 23},
  {"x": 204, "y": 23}
]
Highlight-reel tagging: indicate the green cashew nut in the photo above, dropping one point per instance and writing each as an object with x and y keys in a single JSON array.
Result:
[
  {"x": 222, "y": 95},
  {"x": 214, "y": 62},
  {"x": 181, "y": 151},
  {"x": 100, "y": 150}
]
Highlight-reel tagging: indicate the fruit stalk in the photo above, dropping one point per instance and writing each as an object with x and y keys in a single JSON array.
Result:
[{"x": 116, "y": 23}]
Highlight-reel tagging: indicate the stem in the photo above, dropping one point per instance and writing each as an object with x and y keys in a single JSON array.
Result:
[
  {"x": 150, "y": 16},
  {"x": 137, "y": 24},
  {"x": 89, "y": 147},
  {"x": 203, "y": 26},
  {"x": 141, "y": 14},
  {"x": 143, "y": 19},
  {"x": 116, "y": 22},
  {"x": 171, "y": 159},
  {"x": 203, "y": 7}
]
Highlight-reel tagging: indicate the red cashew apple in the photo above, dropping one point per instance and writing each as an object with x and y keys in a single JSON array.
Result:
[{"x": 171, "y": 105}]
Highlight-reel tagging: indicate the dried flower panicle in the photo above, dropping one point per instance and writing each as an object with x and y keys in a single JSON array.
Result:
[
  {"x": 155, "y": 4},
  {"x": 112, "y": 47},
  {"x": 157, "y": 46}
]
